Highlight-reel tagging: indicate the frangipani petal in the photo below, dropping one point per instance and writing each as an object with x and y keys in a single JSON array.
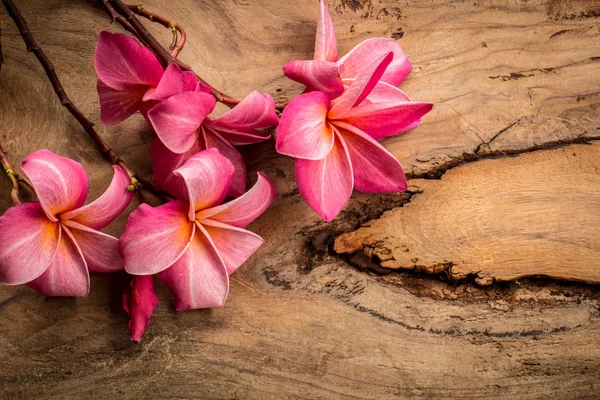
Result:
[
  {"x": 100, "y": 251},
  {"x": 60, "y": 183},
  {"x": 107, "y": 207},
  {"x": 372, "y": 49},
  {"x": 173, "y": 81},
  {"x": 375, "y": 169},
  {"x": 118, "y": 105},
  {"x": 208, "y": 176},
  {"x": 303, "y": 130},
  {"x": 325, "y": 42},
  {"x": 245, "y": 209},
  {"x": 360, "y": 88},
  {"x": 199, "y": 278},
  {"x": 387, "y": 118},
  {"x": 322, "y": 76},
  {"x": 382, "y": 93},
  {"x": 238, "y": 180},
  {"x": 241, "y": 125},
  {"x": 121, "y": 61},
  {"x": 164, "y": 162},
  {"x": 155, "y": 238},
  {"x": 28, "y": 243},
  {"x": 177, "y": 119},
  {"x": 235, "y": 245},
  {"x": 67, "y": 274},
  {"x": 139, "y": 301},
  {"x": 326, "y": 185}
]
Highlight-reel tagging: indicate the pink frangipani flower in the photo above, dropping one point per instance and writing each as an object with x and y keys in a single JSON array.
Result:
[
  {"x": 194, "y": 245},
  {"x": 184, "y": 128},
  {"x": 139, "y": 301},
  {"x": 335, "y": 141},
  {"x": 51, "y": 244},
  {"x": 328, "y": 74}
]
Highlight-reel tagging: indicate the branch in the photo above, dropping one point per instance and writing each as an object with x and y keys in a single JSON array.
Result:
[
  {"x": 88, "y": 126},
  {"x": 176, "y": 46}
]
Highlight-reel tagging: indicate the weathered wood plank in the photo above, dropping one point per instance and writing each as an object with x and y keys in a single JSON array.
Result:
[{"x": 302, "y": 321}]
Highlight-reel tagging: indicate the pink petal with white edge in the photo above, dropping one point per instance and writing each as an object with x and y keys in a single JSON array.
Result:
[
  {"x": 117, "y": 105},
  {"x": 245, "y": 209},
  {"x": 107, "y": 207},
  {"x": 241, "y": 125},
  {"x": 380, "y": 120},
  {"x": 139, "y": 301},
  {"x": 303, "y": 130},
  {"x": 173, "y": 81},
  {"x": 372, "y": 49},
  {"x": 67, "y": 274},
  {"x": 198, "y": 279},
  {"x": 360, "y": 88},
  {"x": 177, "y": 119},
  {"x": 100, "y": 251},
  {"x": 29, "y": 241},
  {"x": 382, "y": 93},
  {"x": 121, "y": 61},
  {"x": 164, "y": 162},
  {"x": 326, "y": 185},
  {"x": 155, "y": 237},
  {"x": 325, "y": 42},
  {"x": 208, "y": 177},
  {"x": 235, "y": 245},
  {"x": 213, "y": 140},
  {"x": 375, "y": 169},
  {"x": 60, "y": 183},
  {"x": 322, "y": 76}
]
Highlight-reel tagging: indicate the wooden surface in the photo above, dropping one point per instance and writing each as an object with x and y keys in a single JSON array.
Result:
[{"x": 497, "y": 295}]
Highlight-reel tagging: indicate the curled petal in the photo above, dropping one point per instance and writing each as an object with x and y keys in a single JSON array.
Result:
[
  {"x": 235, "y": 245},
  {"x": 173, "y": 81},
  {"x": 303, "y": 130},
  {"x": 60, "y": 183},
  {"x": 372, "y": 49},
  {"x": 360, "y": 88},
  {"x": 326, "y": 185},
  {"x": 208, "y": 177},
  {"x": 118, "y": 105},
  {"x": 199, "y": 278},
  {"x": 375, "y": 169},
  {"x": 177, "y": 119},
  {"x": 322, "y": 76},
  {"x": 155, "y": 237},
  {"x": 100, "y": 251},
  {"x": 325, "y": 42},
  {"x": 67, "y": 274},
  {"x": 139, "y": 301},
  {"x": 164, "y": 162},
  {"x": 382, "y": 93},
  {"x": 238, "y": 180},
  {"x": 241, "y": 125},
  {"x": 121, "y": 61},
  {"x": 28, "y": 243},
  {"x": 245, "y": 209},
  {"x": 107, "y": 207}
]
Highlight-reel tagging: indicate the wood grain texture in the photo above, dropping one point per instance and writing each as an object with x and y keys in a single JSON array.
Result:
[{"x": 508, "y": 78}]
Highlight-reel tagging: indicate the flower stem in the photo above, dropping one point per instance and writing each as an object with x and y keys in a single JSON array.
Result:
[
  {"x": 176, "y": 45},
  {"x": 12, "y": 175},
  {"x": 87, "y": 125}
]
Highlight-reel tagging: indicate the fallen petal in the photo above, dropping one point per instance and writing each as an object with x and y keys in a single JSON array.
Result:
[{"x": 139, "y": 301}]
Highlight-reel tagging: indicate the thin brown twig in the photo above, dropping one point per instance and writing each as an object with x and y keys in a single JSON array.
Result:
[
  {"x": 176, "y": 45},
  {"x": 88, "y": 126}
]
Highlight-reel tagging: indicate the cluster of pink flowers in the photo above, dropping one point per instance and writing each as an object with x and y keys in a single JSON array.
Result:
[{"x": 194, "y": 242}]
